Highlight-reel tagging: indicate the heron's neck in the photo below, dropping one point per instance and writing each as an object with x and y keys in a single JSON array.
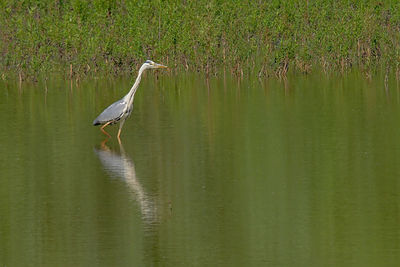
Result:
[{"x": 129, "y": 97}]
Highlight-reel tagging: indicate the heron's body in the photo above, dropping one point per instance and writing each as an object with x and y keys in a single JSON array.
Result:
[
  {"x": 114, "y": 113},
  {"x": 121, "y": 109}
]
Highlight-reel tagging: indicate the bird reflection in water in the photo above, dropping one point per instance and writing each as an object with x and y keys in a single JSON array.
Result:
[{"x": 119, "y": 165}]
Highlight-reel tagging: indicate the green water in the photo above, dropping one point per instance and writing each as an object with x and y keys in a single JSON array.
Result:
[{"x": 225, "y": 172}]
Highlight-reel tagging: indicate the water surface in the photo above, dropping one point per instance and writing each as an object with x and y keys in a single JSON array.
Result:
[{"x": 218, "y": 172}]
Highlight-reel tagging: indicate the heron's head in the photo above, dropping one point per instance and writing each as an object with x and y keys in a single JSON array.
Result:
[{"x": 152, "y": 65}]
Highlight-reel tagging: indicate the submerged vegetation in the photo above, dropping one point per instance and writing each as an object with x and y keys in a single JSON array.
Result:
[{"x": 268, "y": 37}]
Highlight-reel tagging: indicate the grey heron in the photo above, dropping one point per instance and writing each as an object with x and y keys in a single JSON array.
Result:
[{"x": 121, "y": 109}]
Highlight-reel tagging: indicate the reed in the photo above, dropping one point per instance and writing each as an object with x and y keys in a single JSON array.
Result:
[{"x": 266, "y": 37}]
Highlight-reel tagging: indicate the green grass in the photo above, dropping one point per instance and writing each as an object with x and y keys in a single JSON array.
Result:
[{"x": 265, "y": 37}]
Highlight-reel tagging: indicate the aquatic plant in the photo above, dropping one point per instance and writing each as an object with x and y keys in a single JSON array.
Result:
[{"x": 267, "y": 37}]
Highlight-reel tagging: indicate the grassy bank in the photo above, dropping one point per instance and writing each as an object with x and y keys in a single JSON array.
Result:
[{"x": 268, "y": 37}]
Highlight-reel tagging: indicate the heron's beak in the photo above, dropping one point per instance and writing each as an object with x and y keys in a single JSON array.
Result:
[{"x": 159, "y": 66}]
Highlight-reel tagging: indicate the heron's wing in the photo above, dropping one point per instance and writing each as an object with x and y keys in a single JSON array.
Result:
[{"x": 113, "y": 112}]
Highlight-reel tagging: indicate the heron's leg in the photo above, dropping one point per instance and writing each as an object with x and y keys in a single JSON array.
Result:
[
  {"x": 119, "y": 130},
  {"x": 103, "y": 144},
  {"x": 121, "y": 148},
  {"x": 119, "y": 133},
  {"x": 104, "y": 132}
]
